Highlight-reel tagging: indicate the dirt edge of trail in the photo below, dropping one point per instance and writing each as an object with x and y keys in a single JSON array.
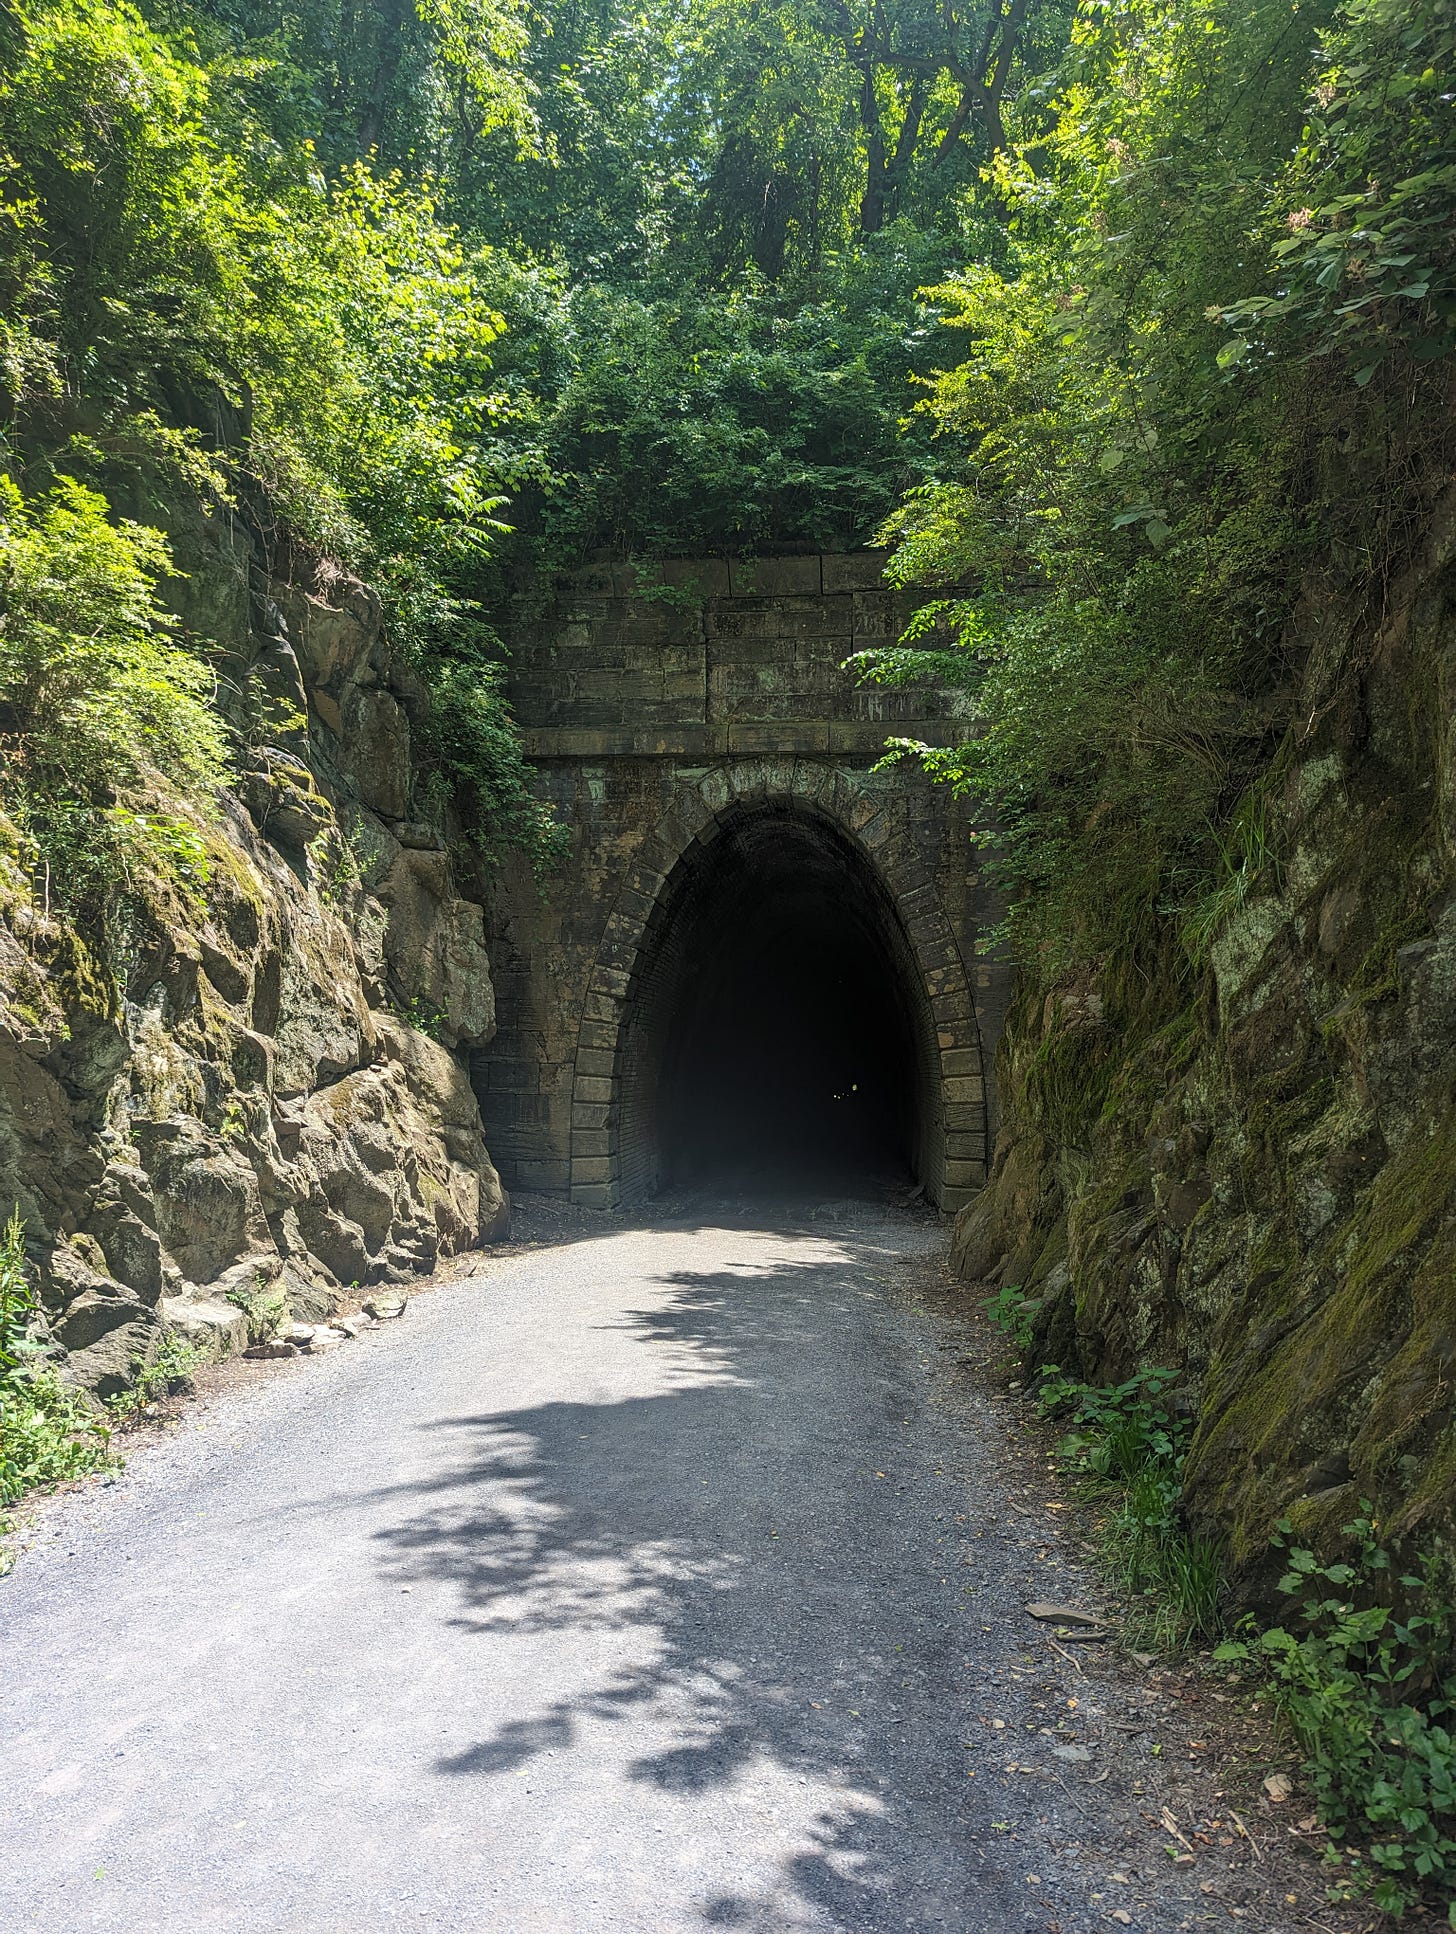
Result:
[{"x": 1172, "y": 1803}]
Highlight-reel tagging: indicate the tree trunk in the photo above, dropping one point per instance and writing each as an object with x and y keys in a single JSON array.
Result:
[
  {"x": 872, "y": 202},
  {"x": 388, "y": 51}
]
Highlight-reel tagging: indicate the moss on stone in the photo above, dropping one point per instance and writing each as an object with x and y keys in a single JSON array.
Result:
[
  {"x": 78, "y": 978},
  {"x": 1353, "y": 1352}
]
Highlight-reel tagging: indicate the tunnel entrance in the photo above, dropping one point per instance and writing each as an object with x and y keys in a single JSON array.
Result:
[{"x": 779, "y": 1037}]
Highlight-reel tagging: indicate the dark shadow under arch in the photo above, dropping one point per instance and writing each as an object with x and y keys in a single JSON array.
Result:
[{"x": 777, "y": 1028}]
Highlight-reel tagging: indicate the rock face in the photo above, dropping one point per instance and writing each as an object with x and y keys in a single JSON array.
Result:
[
  {"x": 1260, "y": 1190},
  {"x": 248, "y": 1125}
]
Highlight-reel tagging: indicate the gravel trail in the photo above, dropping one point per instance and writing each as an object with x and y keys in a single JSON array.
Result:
[{"x": 651, "y": 1580}]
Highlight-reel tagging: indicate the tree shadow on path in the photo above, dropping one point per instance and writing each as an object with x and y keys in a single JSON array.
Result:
[{"x": 766, "y": 1551}]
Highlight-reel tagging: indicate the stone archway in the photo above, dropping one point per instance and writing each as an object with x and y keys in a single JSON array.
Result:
[{"x": 611, "y": 1157}]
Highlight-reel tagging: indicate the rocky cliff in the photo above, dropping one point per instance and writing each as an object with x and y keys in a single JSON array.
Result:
[
  {"x": 1260, "y": 1188},
  {"x": 260, "y": 1104}
]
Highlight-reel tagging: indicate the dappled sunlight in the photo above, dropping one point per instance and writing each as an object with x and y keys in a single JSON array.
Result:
[{"x": 678, "y": 1574}]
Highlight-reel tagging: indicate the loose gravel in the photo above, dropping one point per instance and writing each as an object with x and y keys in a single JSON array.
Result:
[{"x": 643, "y": 1578}]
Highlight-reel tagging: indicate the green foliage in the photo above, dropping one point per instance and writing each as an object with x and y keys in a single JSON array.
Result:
[
  {"x": 48, "y": 1432},
  {"x": 263, "y": 1304},
  {"x": 1370, "y": 1693},
  {"x": 1126, "y": 498},
  {"x": 1367, "y": 264},
  {"x": 672, "y": 420},
  {"x": 99, "y": 703},
  {"x": 1128, "y": 1442},
  {"x": 417, "y": 85},
  {"x": 714, "y": 137},
  {"x": 197, "y": 314},
  {"x": 1246, "y": 861},
  {"x": 471, "y": 755},
  {"x": 707, "y": 244},
  {"x": 1013, "y": 1313},
  {"x": 369, "y": 430},
  {"x": 418, "y": 1014},
  {"x": 326, "y": 338},
  {"x": 166, "y": 1371}
]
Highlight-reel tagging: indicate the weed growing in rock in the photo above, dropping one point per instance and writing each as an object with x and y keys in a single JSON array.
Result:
[
  {"x": 263, "y": 1305},
  {"x": 48, "y": 1430},
  {"x": 419, "y": 1015},
  {"x": 167, "y": 1372},
  {"x": 1369, "y": 1692},
  {"x": 339, "y": 875},
  {"x": 1127, "y": 1443}
]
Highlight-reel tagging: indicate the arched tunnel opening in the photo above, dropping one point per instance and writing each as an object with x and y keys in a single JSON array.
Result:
[{"x": 779, "y": 1036}]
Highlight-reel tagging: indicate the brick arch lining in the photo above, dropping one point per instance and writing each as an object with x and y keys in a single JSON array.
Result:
[{"x": 612, "y": 1149}]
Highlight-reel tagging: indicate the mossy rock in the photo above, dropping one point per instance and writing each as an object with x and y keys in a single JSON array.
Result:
[{"x": 1352, "y": 1357}]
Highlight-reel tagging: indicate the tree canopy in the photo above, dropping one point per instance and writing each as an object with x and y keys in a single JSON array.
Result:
[{"x": 453, "y": 286}]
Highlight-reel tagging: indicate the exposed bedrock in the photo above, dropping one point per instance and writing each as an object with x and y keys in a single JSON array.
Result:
[
  {"x": 1261, "y": 1192},
  {"x": 271, "y": 1110}
]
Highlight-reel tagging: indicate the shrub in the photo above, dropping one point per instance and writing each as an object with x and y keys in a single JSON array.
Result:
[
  {"x": 471, "y": 756},
  {"x": 48, "y": 1430},
  {"x": 100, "y": 706},
  {"x": 165, "y": 1372},
  {"x": 1370, "y": 1693},
  {"x": 1128, "y": 1443}
]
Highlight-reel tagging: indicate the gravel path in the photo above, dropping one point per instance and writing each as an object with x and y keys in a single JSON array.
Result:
[{"x": 651, "y": 1580}]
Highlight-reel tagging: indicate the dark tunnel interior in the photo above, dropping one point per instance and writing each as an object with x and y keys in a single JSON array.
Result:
[{"x": 778, "y": 1043}]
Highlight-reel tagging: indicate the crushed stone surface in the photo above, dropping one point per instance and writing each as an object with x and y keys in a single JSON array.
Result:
[{"x": 647, "y": 1576}]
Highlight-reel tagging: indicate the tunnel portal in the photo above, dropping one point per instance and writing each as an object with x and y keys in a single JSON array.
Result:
[
  {"x": 763, "y": 946},
  {"x": 778, "y": 1035}
]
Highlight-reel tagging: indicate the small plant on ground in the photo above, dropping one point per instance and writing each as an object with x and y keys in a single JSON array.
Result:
[
  {"x": 1127, "y": 1443},
  {"x": 1370, "y": 1692},
  {"x": 167, "y": 1372},
  {"x": 1012, "y": 1312},
  {"x": 48, "y": 1430},
  {"x": 263, "y": 1305}
]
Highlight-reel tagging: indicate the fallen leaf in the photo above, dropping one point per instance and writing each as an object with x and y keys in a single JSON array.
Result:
[{"x": 1279, "y": 1786}]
